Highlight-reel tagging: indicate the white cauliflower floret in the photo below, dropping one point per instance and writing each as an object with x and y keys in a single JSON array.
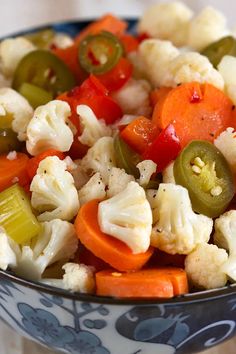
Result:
[
  {"x": 77, "y": 278},
  {"x": 128, "y": 217},
  {"x": 204, "y": 266},
  {"x": 93, "y": 128},
  {"x": 48, "y": 129},
  {"x": 100, "y": 158},
  {"x": 14, "y": 105},
  {"x": 192, "y": 66},
  {"x": 168, "y": 174},
  {"x": 225, "y": 237},
  {"x": 226, "y": 143},
  {"x": 146, "y": 170},
  {"x": 53, "y": 191},
  {"x": 167, "y": 21},
  {"x": 62, "y": 40},
  {"x": 156, "y": 55},
  {"x": 178, "y": 229},
  {"x": 7, "y": 252},
  {"x": 140, "y": 89},
  {"x": 56, "y": 241},
  {"x": 93, "y": 189},
  {"x": 227, "y": 68},
  {"x": 118, "y": 181},
  {"x": 12, "y": 50},
  {"x": 206, "y": 28}
]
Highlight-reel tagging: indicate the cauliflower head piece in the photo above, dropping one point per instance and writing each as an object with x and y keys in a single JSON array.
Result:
[
  {"x": 77, "y": 278},
  {"x": 92, "y": 128},
  {"x": 48, "y": 128},
  {"x": 225, "y": 237},
  {"x": 12, "y": 50},
  {"x": 53, "y": 191},
  {"x": 140, "y": 89},
  {"x": 168, "y": 173},
  {"x": 227, "y": 68},
  {"x": 226, "y": 143},
  {"x": 100, "y": 158},
  {"x": 156, "y": 56},
  {"x": 93, "y": 189},
  {"x": 56, "y": 241},
  {"x": 128, "y": 217},
  {"x": 168, "y": 21},
  {"x": 192, "y": 66},
  {"x": 204, "y": 266},
  {"x": 17, "y": 108},
  {"x": 207, "y": 27},
  {"x": 178, "y": 229},
  {"x": 117, "y": 181},
  {"x": 146, "y": 170}
]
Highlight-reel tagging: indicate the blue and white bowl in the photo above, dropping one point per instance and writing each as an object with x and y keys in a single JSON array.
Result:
[{"x": 83, "y": 324}]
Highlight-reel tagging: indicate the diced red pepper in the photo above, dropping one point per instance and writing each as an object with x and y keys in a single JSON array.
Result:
[
  {"x": 70, "y": 57},
  {"x": 117, "y": 77},
  {"x": 164, "y": 148},
  {"x": 129, "y": 42},
  {"x": 139, "y": 134},
  {"x": 142, "y": 36}
]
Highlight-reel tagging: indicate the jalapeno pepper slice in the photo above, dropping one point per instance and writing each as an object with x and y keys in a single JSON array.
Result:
[
  {"x": 45, "y": 70},
  {"x": 126, "y": 158},
  {"x": 203, "y": 170},
  {"x": 99, "y": 53},
  {"x": 224, "y": 46}
]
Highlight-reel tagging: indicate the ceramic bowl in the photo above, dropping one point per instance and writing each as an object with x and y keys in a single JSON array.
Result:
[{"x": 82, "y": 324}]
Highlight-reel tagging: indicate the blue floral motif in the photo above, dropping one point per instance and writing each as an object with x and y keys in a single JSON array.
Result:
[
  {"x": 85, "y": 343},
  {"x": 44, "y": 326}
]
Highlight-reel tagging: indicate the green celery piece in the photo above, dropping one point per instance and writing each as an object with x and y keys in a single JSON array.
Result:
[
  {"x": 35, "y": 95},
  {"x": 16, "y": 215}
]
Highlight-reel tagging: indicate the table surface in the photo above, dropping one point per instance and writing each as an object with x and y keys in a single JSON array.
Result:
[{"x": 19, "y": 14}]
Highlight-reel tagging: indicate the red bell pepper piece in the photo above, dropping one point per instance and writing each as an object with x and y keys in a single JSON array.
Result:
[
  {"x": 117, "y": 77},
  {"x": 164, "y": 148},
  {"x": 129, "y": 42}
]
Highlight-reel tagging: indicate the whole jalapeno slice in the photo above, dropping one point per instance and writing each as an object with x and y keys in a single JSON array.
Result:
[
  {"x": 8, "y": 141},
  {"x": 126, "y": 158},
  {"x": 203, "y": 170},
  {"x": 99, "y": 53},
  {"x": 45, "y": 70},
  {"x": 224, "y": 46}
]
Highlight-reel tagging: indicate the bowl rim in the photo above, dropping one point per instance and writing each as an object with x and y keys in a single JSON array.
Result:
[{"x": 190, "y": 298}]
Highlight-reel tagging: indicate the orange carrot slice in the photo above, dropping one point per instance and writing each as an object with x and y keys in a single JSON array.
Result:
[
  {"x": 13, "y": 170},
  {"x": 148, "y": 283},
  {"x": 106, "y": 247},
  {"x": 197, "y": 111}
]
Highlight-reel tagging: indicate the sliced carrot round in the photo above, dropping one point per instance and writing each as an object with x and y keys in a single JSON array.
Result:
[
  {"x": 148, "y": 283},
  {"x": 197, "y": 111},
  {"x": 13, "y": 170},
  {"x": 106, "y": 247}
]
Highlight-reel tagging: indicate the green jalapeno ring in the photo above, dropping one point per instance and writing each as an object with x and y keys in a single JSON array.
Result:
[
  {"x": 44, "y": 70},
  {"x": 217, "y": 50},
  {"x": 99, "y": 53},
  {"x": 35, "y": 95},
  {"x": 203, "y": 170}
]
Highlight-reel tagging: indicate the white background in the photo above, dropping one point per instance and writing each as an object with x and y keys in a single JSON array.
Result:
[{"x": 21, "y": 14}]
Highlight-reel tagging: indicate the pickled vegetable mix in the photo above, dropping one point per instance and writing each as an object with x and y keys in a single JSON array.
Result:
[{"x": 118, "y": 155}]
